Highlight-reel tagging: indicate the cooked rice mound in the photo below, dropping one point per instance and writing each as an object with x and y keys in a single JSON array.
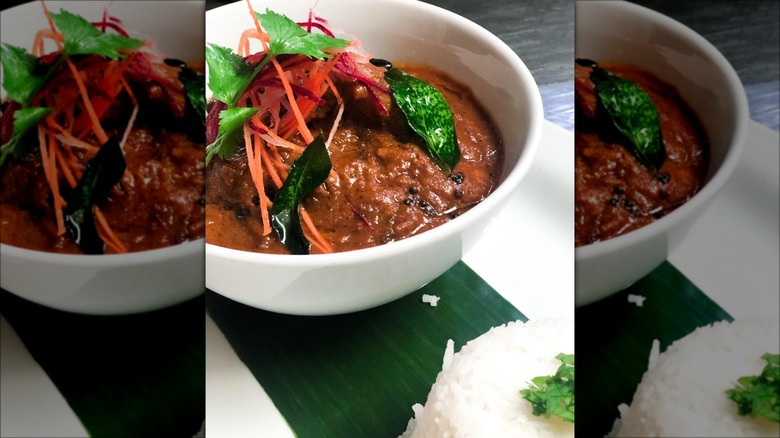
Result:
[
  {"x": 477, "y": 393},
  {"x": 683, "y": 392}
]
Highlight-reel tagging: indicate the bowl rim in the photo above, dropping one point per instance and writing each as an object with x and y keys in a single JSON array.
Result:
[
  {"x": 506, "y": 186},
  {"x": 730, "y": 161}
]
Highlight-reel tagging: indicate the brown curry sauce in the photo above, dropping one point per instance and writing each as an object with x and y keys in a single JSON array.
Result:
[
  {"x": 614, "y": 192},
  {"x": 384, "y": 186},
  {"x": 157, "y": 203}
]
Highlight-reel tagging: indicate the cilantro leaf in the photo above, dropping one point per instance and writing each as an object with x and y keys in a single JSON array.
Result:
[
  {"x": 554, "y": 395},
  {"x": 228, "y": 73},
  {"x": 22, "y": 73},
  {"x": 288, "y": 38},
  {"x": 230, "y": 122},
  {"x": 24, "y": 120},
  {"x": 80, "y": 37},
  {"x": 759, "y": 395}
]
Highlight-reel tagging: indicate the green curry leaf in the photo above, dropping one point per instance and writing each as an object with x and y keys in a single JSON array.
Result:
[
  {"x": 633, "y": 114},
  {"x": 307, "y": 172},
  {"x": 428, "y": 114},
  {"x": 101, "y": 173},
  {"x": 195, "y": 87}
]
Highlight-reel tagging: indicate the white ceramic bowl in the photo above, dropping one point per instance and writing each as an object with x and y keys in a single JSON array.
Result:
[
  {"x": 123, "y": 283},
  {"x": 395, "y": 30},
  {"x": 625, "y": 32}
]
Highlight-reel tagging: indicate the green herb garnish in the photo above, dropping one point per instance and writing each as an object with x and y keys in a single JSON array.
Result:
[
  {"x": 633, "y": 114},
  {"x": 229, "y": 75},
  {"x": 288, "y": 38},
  {"x": 427, "y": 113},
  {"x": 759, "y": 395},
  {"x": 24, "y": 75},
  {"x": 307, "y": 172},
  {"x": 230, "y": 122},
  {"x": 80, "y": 37},
  {"x": 24, "y": 120},
  {"x": 101, "y": 173},
  {"x": 554, "y": 395}
]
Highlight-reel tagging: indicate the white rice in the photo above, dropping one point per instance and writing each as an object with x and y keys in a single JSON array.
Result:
[
  {"x": 477, "y": 393},
  {"x": 683, "y": 392},
  {"x": 433, "y": 300},
  {"x": 636, "y": 299}
]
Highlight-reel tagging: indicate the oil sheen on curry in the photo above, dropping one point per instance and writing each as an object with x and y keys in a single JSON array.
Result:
[
  {"x": 623, "y": 180},
  {"x": 383, "y": 187}
]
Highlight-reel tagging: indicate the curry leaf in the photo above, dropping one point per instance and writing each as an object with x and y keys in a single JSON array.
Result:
[
  {"x": 288, "y": 38},
  {"x": 101, "y": 173},
  {"x": 428, "y": 113},
  {"x": 633, "y": 114},
  {"x": 195, "y": 87},
  {"x": 80, "y": 37},
  {"x": 554, "y": 395},
  {"x": 230, "y": 122},
  {"x": 23, "y": 75},
  {"x": 24, "y": 120},
  {"x": 307, "y": 172}
]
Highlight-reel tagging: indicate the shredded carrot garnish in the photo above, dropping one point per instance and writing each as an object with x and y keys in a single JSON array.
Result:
[
  {"x": 97, "y": 127},
  {"x": 286, "y": 97},
  {"x": 315, "y": 236},
  {"x": 79, "y": 96},
  {"x": 106, "y": 234}
]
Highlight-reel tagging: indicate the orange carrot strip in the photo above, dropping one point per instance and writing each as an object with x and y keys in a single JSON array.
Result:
[
  {"x": 58, "y": 41},
  {"x": 315, "y": 234},
  {"x": 64, "y": 136},
  {"x": 257, "y": 24},
  {"x": 264, "y": 201},
  {"x": 38, "y": 46},
  {"x": 97, "y": 128},
  {"x": 303, "y": 129},
  {"x": 255, "y": 170},
  {"x": 275, "y": 166},
  {"x": 65, "y": 167},
  {"x": 50, "y": 172},
  {"x": 108, "y": 236}
]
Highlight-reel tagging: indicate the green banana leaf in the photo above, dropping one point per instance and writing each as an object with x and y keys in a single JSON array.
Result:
[
  {"x": 613, "y": 339},
  {"x": 124, "y": 376},
  {"x": 358, "y": 375}
]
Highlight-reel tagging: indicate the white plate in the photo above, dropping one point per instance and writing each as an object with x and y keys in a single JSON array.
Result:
[
  {"x": 525, "y": 268},
  {"x": 732, "y": 253}
]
